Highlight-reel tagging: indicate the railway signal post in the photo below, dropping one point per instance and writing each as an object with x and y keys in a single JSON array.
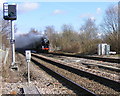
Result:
[{"x": 9, "y": 13}]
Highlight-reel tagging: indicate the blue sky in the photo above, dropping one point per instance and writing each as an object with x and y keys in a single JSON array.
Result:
[{"x": 38, "y": 15}]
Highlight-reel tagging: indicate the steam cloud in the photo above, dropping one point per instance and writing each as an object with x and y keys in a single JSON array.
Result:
[{"x": 24, "y": 40}]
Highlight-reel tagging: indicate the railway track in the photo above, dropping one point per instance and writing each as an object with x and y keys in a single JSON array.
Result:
[
  {"x": 112, "y": 60},
  {"x": 79, "y": 90},
  {"x": 112, "y": 68},
  {"x": 107, "y": 67},
  {"x": 104, "y": 81}
]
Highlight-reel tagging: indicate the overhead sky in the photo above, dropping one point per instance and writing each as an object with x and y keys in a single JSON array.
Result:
[{"x": 38, "y": 15}]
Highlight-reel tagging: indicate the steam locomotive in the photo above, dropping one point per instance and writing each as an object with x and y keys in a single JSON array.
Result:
[
  {"x": 35, "y": 43},
  {"x": 42, "y": 45}
]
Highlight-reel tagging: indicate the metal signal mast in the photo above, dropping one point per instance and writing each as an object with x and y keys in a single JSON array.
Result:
[{"x": 9, "y": 13}]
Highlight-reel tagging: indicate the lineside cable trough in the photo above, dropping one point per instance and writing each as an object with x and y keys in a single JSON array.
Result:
[{"x": 31, "y": 89}]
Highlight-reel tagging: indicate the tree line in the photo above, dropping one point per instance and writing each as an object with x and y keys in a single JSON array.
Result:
[{"x": 89, "y": 36}]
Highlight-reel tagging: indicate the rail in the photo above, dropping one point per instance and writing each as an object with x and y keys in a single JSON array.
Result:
[
  {"x": 112, "y": 60},
  {"x": 78, "y": 89},
  {"x": 102, "y": 80}
]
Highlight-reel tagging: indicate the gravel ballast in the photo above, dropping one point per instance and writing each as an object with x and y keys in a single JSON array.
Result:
[{"x": 14, "y": 80}]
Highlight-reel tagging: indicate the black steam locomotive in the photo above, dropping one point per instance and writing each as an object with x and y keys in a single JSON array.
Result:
[
  {"x": 35, "y": 43},
  {"x": 42, "y": 45}
]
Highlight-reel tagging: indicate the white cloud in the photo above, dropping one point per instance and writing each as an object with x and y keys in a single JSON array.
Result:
[
  {"x": 22, "y": 7},
  {"x": 92, "y": 18},
  {"x": 98, "y": 11},
  {"x": 87, "y": 15},
  {"x": 57, "y": 11},
  {"x": 25, "y": 7}
]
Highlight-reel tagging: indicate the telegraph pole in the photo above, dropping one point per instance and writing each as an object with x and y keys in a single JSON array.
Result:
[{"x": 9, "y": 13}]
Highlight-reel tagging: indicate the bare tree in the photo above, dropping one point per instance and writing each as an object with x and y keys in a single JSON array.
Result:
[
  {"x": 110, "y": 23},
  {"x": 4, "y": 27},
  {"x": 53, "y": 36},
  {"x": 69, "y": 39},
  {"x": 110, "y": 27},
  {"x": 89, "y": 29},
  {"x": 34, "y": 31},
  {"x": 65, "y": 40},
  {"x": 88, "y": 37},
  {"x": 49, "y": 31},
  {"x": 4, "y": 32}
]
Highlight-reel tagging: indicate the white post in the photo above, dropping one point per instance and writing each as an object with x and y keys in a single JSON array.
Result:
[
  {"x": 12, "y": 42},
  {"x": 28, "y": 58},
  {"x": 28, "y": 66}
]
